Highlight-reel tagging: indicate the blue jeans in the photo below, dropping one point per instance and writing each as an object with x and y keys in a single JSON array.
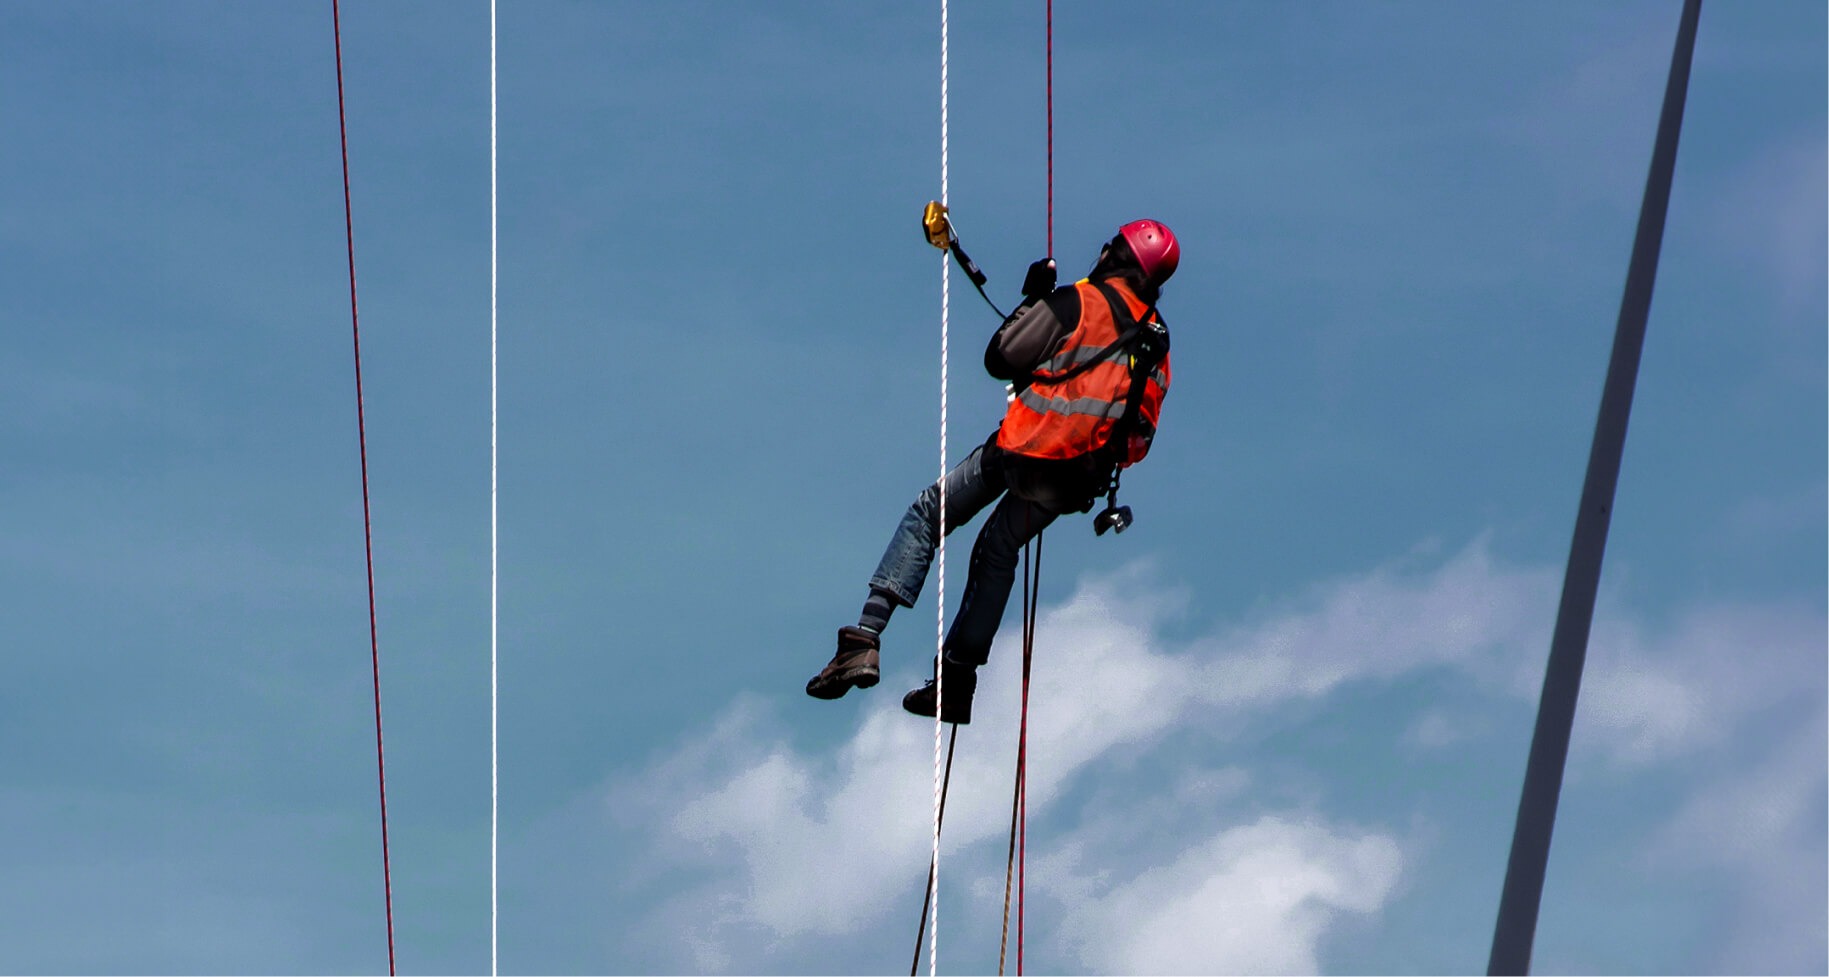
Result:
[{"x": 973, "y": 484}]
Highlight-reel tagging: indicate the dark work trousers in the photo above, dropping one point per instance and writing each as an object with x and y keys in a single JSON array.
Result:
[{"x": 976, "y": 482}]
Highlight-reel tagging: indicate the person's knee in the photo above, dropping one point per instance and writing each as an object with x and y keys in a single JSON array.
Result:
[
  {"x": 1006, "y": 539},
  {"x": 994, "y": 559},
  {"x": 967, "y": 657}
]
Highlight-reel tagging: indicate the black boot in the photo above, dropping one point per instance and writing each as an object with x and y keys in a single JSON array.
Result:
[
  {"x": 856, "y": 664},
  {"x": 956, "y": 707}
]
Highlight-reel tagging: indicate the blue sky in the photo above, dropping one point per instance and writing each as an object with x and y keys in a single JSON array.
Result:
[{"x": 1280, "y": 724}]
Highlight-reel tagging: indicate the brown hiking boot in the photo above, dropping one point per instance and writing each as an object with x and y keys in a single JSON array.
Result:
[
  {"x": 856, "y": 664},
  {"x": 961, "y": 683}
]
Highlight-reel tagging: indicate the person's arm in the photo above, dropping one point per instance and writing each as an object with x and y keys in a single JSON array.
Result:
[{"x": 1031, "y": 335}]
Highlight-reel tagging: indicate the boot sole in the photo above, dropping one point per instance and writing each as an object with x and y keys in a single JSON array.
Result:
[
  {"x": 955, "y": 720},
  {"x": 861, "y": 677},
  {"x": 967, "y": 721}
]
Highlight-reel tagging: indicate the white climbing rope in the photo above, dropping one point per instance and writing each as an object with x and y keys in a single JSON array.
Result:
[
  {"x": 933, "y": 957},
  {"x": 494, "y": 754}
]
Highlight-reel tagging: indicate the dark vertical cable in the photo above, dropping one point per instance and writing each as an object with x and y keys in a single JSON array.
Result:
[
  {"x": 946, "y": 781},
  {"x": 368, "y": 542},
  {"x": 1016, "y": 782},
  {"x": 1530, "y": 848},
  {"x": 1014, "y": 861},
  {"x": 1022, "y": 780}
]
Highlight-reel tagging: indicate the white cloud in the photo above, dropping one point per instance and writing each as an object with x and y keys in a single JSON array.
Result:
[
  {"x": 1472, "y": 613},
  {"x": 1646, "y": 699},
  {"x": 779, "y": 821},
  {"x": 1649, "y": 712},
  {"x": 1761, "y": 829},
  {"x": 1256, "y": 898},
  {"x": 781, "y": 845},
  {"x": 1434, "y": 729}
]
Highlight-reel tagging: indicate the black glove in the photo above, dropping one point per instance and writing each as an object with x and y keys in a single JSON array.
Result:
[{"x": 1039, "y": 282}]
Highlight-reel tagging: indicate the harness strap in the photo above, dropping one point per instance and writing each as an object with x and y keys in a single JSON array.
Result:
[
  {"x": 1120, "y": 314},
  {"x": 1152, "y": 339},
  {"x": 1151, "y": 336}
]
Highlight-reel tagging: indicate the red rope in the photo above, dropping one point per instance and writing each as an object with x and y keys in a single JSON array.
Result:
[
  {"x": 1034, "y": 586},
  {"x": 1050, "y": 128},
  {"x": 1016, "y": 862},
  {"x": 1009, "y": 865},
  {"x": 1031, "y": 597},
  {"x": 368, "y": 542}
]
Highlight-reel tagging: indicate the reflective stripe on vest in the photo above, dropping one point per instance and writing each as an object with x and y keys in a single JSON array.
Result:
[
  {"x": 1090, "y": 406},
  {"x": 1062, "y": 362},
  {"x": 1075, "y": 416},
  {"x": 1095, "y": 406}
]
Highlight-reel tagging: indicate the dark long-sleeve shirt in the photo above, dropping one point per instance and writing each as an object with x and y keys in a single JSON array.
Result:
[{"x": 1031, "y": 335}]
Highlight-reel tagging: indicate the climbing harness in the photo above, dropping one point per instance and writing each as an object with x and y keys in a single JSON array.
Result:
[
  {"x": 1114, "y": 517},
  {"x": 1057, "y": 419},
  {"x": 368, "y": 539},
  {"x": 1149, "y": 347}
]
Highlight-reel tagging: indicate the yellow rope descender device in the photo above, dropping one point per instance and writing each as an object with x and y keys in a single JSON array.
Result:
[{"x": 938, "y": 228}]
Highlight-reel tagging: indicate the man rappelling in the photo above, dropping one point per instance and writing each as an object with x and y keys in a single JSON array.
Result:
[{"x": 1088, "y": 364}]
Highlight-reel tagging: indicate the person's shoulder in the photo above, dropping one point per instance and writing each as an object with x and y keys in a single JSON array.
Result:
[{"x": 1064, "y": 302}]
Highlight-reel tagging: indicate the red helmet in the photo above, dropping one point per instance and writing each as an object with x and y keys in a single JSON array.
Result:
[{"x": 1155, "y": 247}]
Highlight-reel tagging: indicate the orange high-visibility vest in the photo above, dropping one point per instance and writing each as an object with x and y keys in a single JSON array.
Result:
[{"x": 1074, "y": 416}]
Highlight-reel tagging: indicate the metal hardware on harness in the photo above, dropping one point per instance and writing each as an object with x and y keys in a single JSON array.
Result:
[
  {"x": 1115, "y": 517},
  {"x": 1148, "y": 345}
]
